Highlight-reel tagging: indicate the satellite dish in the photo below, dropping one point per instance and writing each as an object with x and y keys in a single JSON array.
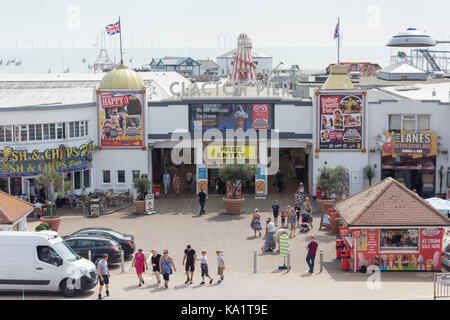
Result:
[{"x": 411, "y": 38}]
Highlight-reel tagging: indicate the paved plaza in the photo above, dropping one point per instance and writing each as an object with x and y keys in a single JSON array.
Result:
[{"x": 232, "y": 234}]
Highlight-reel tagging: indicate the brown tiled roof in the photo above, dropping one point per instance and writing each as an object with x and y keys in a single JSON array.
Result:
[
  {"x": 12, "y": 209},
  {"x": 389, "y": 203}
]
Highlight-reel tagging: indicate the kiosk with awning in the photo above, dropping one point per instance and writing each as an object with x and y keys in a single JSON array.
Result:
[{"x": 393, "y": 228}]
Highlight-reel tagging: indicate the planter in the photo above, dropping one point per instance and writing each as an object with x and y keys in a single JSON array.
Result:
[
  {"x": 324, "y": 204},
  {"x": 54, "y": 222},
  {"x": 334, "y": 224},
  {"x": 233, "y": 206},
  {"x": 140, "y": 206}
]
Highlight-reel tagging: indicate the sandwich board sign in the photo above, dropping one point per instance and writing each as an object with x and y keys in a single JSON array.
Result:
[{"x": 150, "y": 204}]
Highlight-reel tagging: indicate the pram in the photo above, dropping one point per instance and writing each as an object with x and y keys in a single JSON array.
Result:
[{"x": 306, "y": 223}]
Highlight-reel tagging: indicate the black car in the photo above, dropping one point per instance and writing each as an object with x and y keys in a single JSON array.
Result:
[
  {"x": 126, "y": 241},
  {"x": 98, "y": 247}
]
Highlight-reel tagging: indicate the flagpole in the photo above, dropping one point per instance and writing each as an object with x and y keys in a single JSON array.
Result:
[
  {"x": 339, "y": 37},
  {"x": 120, "y": 34}
]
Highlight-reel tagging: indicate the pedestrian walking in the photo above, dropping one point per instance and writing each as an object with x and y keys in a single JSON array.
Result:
[
  {"x": 166, "y": 181},
  {"x": 311, "y": 256},
  {"x": 204, "y": 268},
  {"x": 165, "y": 265},
  {"x": 104, "y": 275},
  {"x": 307, "y": 209},
  {"x": 269, "y": 243},
  {"x": 176, "y": 183},
  {"x": 284, "y": 216},
  {"x": 292, "y": 222},
  {"x": 275, "y": 210},
  {"x": 202, "y": 200},
  {"x": 189, "y": 258},
  {"x": 298, "y": 203},
  {"x": 156, "y": 257},
  {"x": 140, "y": 263},
  {"x": 255, "y": 223},
  {"x": 220, "y": 266}
]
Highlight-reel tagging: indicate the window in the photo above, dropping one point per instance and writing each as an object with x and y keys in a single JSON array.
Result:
[
  {"x": 86, "y": 128},
  {"x": 60, "y": 131},
  {"x": 32, "y": 132},
  {"x": 399, "y": 239},
  {"x": 399, "y": 122},
  {"x": 87, "y": 178},
  {"x": 38, "y": 132},
  {"x": 77, "y": 129},
  {"x": 46, "y": 254},
  {"x": 77, "y": 180},
  {"x": 46, "y": 128},
  {"x": 71, "y": 129},
  {"x": 106, "y": 176},
  {"x": 121, "y": 176}
]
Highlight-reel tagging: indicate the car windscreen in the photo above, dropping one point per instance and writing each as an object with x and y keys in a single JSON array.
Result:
[{"x": 65, "y": 251}]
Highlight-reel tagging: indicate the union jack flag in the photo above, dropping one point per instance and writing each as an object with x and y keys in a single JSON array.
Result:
[
  {"x": 336, "y": 30},
  {"x": 114, "y": 28}
]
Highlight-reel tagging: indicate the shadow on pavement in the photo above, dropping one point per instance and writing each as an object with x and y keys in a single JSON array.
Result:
[{"x": 224, "y": 217}]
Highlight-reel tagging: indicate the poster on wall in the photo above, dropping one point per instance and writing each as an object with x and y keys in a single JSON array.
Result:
[
  {"x": 121, "y": 118},
  {"x": 260, "y": 183},
  {"x": 202, "y": 179},
  {"x": 231, "y": 116},
  {"x": 408, "y": 142},
  {"x": 341, "y": 117}
]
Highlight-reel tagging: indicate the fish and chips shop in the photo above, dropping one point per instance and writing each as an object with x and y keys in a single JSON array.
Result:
[{"x": 391, "y": 227}]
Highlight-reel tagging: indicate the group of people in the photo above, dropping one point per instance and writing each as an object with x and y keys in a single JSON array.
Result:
[
  {"x": 176, "y": 181},
  {"x": 163, "y": 265}
]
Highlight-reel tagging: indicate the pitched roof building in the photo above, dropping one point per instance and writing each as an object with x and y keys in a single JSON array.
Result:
[
  {"x": 389, "y": 203},
  {"x": 13, "y": 212}
]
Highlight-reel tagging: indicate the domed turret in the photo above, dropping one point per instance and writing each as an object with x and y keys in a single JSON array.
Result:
[
  {"x": 122, "y": 78},
  {"x": 411, "y": 38}
]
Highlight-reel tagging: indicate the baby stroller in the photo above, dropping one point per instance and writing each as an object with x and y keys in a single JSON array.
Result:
[{"x": 306, "y": 223}]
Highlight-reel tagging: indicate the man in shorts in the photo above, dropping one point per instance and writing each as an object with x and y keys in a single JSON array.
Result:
[
  {"x": 189, "y": 257},
  {"x": 220, "y": 266},
  {"x": 103, "y": 274}
]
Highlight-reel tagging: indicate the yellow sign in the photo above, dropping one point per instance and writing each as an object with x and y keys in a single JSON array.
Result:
[
  {"x": 416, "y": 144},
  {"x": 215, "y": 152}
]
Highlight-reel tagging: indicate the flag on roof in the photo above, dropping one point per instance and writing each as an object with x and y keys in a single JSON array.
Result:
[
  {"x": 112, "y": 29},
  {"x": 336, "y": 30}
]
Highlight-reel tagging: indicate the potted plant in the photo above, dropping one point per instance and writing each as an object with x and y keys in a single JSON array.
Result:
[
  {"x": 141, "y": 185},
  {"x": 339, "y": 181},
  {"x": 324, "y": 184},
  {"x": 441, "y": 179},
  {"x": 43, "y": 226},
  {"x": 234, "y": 173},
  {"x": 369, "y": 172},
  {"x": 52, "y": 181}
]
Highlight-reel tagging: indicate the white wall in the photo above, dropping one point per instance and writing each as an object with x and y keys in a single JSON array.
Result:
[
  {"x": 290, "y": 118},
  {"x": 167, "y": 119},
  {"x": 439, "y": 122}
]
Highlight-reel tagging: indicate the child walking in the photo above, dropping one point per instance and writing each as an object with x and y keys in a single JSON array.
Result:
[
  {"x": 220, "y": 266},
  {"x": 204, "y": 267},
  {"x": 276, "y": 210}
]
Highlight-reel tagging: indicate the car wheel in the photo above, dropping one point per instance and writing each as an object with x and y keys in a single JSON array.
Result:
[{"x": 66, "y": 289}]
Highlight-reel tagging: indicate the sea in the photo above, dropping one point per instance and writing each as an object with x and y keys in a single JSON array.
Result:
[{"x": 58, "y": 60}]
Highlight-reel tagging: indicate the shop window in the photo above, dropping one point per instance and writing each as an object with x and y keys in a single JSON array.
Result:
[
  {"x": 77, "y": 180},
  {"x": 121, "y": 176},
  {"x": 60, "y": 131},
  {"x": 2, "y": 133},
  {"x": 32, "y": 132},
  {"x": 399, "y": 239},
  {"x": 46, "y": 129},
  {"x": 87, "y": 178},
  {"x": 106, "y": 176},
  {"x": 77, "y": 129},
  {"x": 86, "y": 128},
  {"x": 71, "y": 129},
  {"x": 38, "y": 132},
  {"x": 8, "y": 133},
  {"x": 52, "y": 131}
]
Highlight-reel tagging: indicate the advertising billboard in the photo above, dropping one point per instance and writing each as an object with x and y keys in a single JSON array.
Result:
[
  {"x": 231, "y": 116},
  {"x": 341, "y": 121},
  {"x": 121, "y": 118}
]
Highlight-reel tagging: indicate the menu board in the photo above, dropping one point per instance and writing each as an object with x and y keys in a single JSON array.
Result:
[{"x": 341, "y": 119}]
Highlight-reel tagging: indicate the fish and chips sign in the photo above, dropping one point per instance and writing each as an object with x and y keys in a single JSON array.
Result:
[{"x": 16, "y": 163}]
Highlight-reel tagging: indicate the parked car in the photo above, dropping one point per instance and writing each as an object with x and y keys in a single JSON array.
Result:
[
  {"x": 98, "y": 247},
  {"x": 446, "y": 257},
  {"x": 126, "y": 241},
  {"x": 43, "y": 261}
]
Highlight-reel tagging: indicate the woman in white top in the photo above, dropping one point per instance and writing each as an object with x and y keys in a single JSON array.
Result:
[{"x": 269, "y": 244}]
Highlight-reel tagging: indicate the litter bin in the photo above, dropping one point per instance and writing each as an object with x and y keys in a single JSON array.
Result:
[
  {"x": 340, "y": 245},
  {"x": 345, "y": 257},
  {"x": 157, "y": 190}
]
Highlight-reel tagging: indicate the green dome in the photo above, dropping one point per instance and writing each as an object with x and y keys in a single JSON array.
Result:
[{"x": 122, "y": 78}]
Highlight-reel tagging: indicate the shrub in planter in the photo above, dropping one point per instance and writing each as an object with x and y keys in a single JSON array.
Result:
[
  {"x": 141, "y": 185},
  {"x": 233, "y": 173},
  {"x": 43, "y": 226}
]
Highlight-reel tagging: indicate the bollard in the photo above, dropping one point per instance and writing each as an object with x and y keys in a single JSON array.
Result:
[
  {"x": 89, "y": 255},
  {"x": 288, "y": 260},
  {"x": 321, "y": 260},
  {"x": 122, "y": 261},
  {"x": 254, "y": 262}
]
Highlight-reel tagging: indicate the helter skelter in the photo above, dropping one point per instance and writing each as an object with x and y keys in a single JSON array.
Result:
[{"x": 243, "y": 66}]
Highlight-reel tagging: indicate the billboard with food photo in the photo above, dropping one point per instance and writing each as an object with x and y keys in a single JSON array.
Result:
[
  {"x": 121, "y": 118},
  {"x": 340, "y": 120}
]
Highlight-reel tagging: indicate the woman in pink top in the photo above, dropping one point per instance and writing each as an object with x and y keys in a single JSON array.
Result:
[{"x": 140, "y": 263}]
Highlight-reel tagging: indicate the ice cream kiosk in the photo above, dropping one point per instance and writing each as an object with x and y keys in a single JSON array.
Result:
[{"x": 392, "y": 228}]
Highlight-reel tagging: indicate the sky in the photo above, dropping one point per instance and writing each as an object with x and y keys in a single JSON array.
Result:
[{"x": 203, "y": 23}]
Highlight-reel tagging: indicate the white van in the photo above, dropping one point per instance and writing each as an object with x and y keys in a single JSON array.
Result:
[{"x": 43, "y": 261}]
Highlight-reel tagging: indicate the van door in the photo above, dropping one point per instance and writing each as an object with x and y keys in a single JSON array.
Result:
[
  {"x": 48, "y": 268},
  {"x": 16, "y": 266}
]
